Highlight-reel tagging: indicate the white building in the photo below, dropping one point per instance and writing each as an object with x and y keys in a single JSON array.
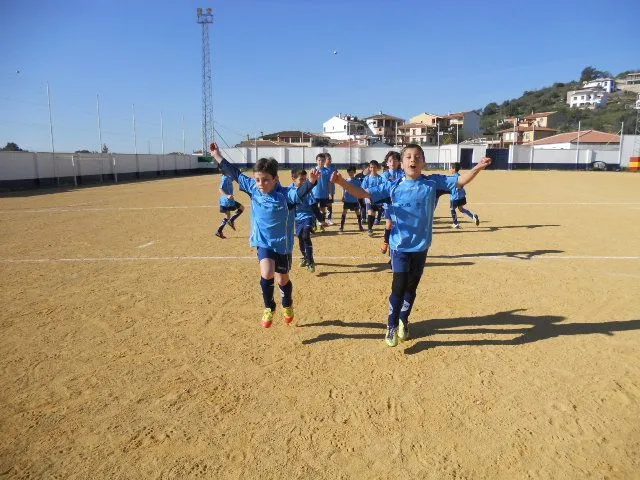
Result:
[
  {"x": 607, "y": 84},
  {"x": 343, "y": 127},
  {"x": 592, "y": 97},
  {"x": 638, "y": 102}
]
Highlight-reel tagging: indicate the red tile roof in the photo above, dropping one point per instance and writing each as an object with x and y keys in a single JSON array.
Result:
[
  {"x": 586, "y": 136},
  {"x": 538, "y": 115}
]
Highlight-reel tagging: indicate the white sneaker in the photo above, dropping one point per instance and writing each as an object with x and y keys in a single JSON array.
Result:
[
  {"x": 456, "y": 225},
  {"x": 329, "y": 221}
]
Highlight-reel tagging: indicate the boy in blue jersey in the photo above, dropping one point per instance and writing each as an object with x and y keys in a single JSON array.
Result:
[
  {"x": 459, "y": 200},
  {"x": 272, "y": 212},
  {"x": 372, "y": 180},
  {"x": 321, "y": 191},
  {"x": 395, "y": 172},
  {"x": 349, "y": 202},
  {"x": 306, "y": 211},
  {"x": 228, "y": 204},
  {"x": 411, "y": 211},
  {"x": 364, "y": 171},
  {"x": 332, "y": 188}
]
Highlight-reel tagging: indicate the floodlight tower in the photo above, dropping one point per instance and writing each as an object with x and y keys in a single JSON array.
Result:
[{"x": 205, "y": 17}]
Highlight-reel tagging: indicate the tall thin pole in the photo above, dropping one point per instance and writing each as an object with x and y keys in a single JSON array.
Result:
[
  {"x": 162, "y": 132},
  {"x": 533, "y": 138},
  {"x": 578, "y": 147},
  {"x": 135, "y": 141},
  {"x": 53, "y": 148},
  {"x": 99, "y": 126},
  {"x": 620, "y": 145},
  {"x": 183, "y": 144},
  {"x": 438, "y": 123},
  {"x": 457, "y": 143}
]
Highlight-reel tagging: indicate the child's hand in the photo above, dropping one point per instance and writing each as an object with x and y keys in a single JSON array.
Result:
[
  {"x": 484, "y": 162},
  {"x": 314, "y": 175},
  {"x": 215, "y": 151},
  {"x": 230, "y": 197},
  {"x": 336, "y": 178}
]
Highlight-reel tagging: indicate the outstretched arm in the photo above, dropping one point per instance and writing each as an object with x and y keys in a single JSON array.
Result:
[
  {"x": 227, "y": 168},
  {"x": 352, "y": 189},
  {"x": 307, "y": 186},
  {"x": 471, "y": 174}
]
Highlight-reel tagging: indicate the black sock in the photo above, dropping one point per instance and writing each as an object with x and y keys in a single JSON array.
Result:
[
  {"x": 222, "y": 224},
  {"x": 344, "y": 217},
  {"x": 387, "y": 232},
  {"x": 236, "y": 215},
  {"x": 370, "y": 220},
  {"x": 267, "y": 292},
  {"x": 330, "y": 211},
  {"x": 359, "y": 220}
]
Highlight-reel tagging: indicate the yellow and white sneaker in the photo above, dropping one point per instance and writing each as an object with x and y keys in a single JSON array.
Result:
[
  {"x": 288, "y": 314},
  {"x": 403, "y": 331}
]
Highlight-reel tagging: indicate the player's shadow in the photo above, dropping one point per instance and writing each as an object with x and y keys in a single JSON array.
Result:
[
  {"x": 333, "y": 233},
  {"x": 521, "y": 255},
  {"x": 520, "y": 329},
  {"x": 440, "y": 229},
  {"x": 528, "y": 329},
  {"x": 378, "y": 267}
]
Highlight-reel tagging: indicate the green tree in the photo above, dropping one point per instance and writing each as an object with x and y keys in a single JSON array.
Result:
[
  {"x": 11, "y": 147},
  {"x": 491, "y": 109}
]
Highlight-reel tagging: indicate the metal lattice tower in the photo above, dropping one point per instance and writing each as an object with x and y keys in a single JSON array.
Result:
[{"x": 205, "y": 17}]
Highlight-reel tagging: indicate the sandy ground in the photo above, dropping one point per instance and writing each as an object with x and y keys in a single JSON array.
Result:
[{"x": 131, "y": 343}]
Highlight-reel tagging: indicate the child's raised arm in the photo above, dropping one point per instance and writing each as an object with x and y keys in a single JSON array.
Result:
[
  {"x": 471, "y": 174},
  {"x": 352, "y": 189},
  {"x": 227, "y": 168}
]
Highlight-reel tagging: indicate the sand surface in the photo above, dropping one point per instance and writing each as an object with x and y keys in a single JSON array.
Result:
[{"x": 131, "y": 343}]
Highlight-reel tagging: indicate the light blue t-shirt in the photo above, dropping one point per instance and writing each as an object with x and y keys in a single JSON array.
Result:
[
  {"x": 304, "y": 207},
  {"x": 346, "y": 196},
  {"x": 456, "y": 193},
  {"x": 272, "y": 215},
  {"x": 372, "y": 181},
  {"x": 226, "y": 185},
  {"x": 411, "y": 209},
  {"x": 321, "y": 190},
  {"x": 332, "y": 186},
  {"x": 393, "y": 175}
]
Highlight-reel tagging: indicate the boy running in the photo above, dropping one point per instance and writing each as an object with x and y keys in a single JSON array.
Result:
[
  {"x": 349, "y": 202},
  {"x": 228, "y": 204},
  {"x": 411, "y": 211},
  {"x": 271, "y": 227},
  {"x": 459, "y": 200},
  {"x": 370, "y": 181},
  {"x": 306, "y": 211}
]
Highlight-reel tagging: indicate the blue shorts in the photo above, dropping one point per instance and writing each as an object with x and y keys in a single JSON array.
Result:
[
  {"x": 302, "y": 224},
  {"x": 458, "y": 203},
  {"x": 231, "y": 207},
  {"x": 350, "y": 206},
  {"x": 413, "y": 262},
  {"x": 282, "y": 260}
]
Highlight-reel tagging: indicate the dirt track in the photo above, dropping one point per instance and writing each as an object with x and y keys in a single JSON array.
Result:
[{"x": 131, "y": 345}]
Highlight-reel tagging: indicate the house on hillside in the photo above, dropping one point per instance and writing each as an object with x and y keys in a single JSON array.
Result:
[
  {"x": 586, "y": 139},
  {"x": 593, "y": 97},
  {"x": 524, "y": 134},
  {"x": 630, "y": 83},
  {"x": 417, "y": 132},
  {"x": 607, "y": 84},
  {"x": 344, "y": 126},
  {"x": 287, "y": 138},
  {"x": 384, "y": 127},
  {"x": 544, "y": 119},
  {"x": 467, "y": 124}
]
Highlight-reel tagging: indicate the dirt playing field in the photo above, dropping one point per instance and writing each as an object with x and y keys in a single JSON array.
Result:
[{"x": 131, "y": 343}]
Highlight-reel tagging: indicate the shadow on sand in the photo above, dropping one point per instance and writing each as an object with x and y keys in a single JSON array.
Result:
[{"x": 521, "y": 328}]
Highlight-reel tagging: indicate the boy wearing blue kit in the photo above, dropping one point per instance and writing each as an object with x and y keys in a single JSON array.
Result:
[
  {"x": 395, "y": 172},
  {"x": 322, "y": 189},
  {"x": 372, "y": 180},
  {"x": 272, "y": 210},
  {"x": 228, "y": 204},
  {"x": 332, "y": 188},
  {"x": 349, "y": 202},
  {"x": 306, "y": 211},
  {"x": 459, "y": 200},
  {"x": 411, "y": 211}
]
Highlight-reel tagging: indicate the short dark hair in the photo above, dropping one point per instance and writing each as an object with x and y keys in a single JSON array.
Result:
[
  {"x": 327, "y": 155},
  {"x": 392, "y": 153},
  {"x": 455, "y": 166},
  {"x": 266, "y": 165},
  {"x": 321, "y": 155},
  {"x": 413, "y": 145},
  {"x": 351, "y": 168},
  {"x": 374, "y": 163},
  {"x": 297, "y": 172}
]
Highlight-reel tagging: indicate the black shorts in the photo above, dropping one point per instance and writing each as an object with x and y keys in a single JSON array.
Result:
[
  {"x": 323, "y": 202},
  {"x": 458, "y": 203},
  {"x": 374, "y": 207},
  {"x": 231, "y": 208},
  {"x": 350, "y": 206},
  {"x": 282, "y": 260}
]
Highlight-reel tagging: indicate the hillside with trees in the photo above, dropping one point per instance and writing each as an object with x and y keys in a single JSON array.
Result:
[{"x": 554, "y": 98}]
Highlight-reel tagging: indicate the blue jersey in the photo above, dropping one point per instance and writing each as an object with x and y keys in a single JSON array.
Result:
[
  {"x": 372, "y": 181},
  {"x": 332, "y": 186},
  {"x": 304, "y": 208},
  {"x": 411, "y": 209},
  {"x": 272, "y": 215},
  {"x": 226, "y": 185},
  {"x": 456, "y": 193},
  {"x": 346, "y": 196},
  {"x": 321, "y": 190},
  {"x": 393, "y": 175}
]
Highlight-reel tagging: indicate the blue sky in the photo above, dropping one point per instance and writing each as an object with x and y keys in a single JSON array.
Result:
[{"x": 273, "y": 63}]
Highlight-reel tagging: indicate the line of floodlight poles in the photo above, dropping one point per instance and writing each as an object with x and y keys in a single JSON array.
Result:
[{"x": 100, "y": 144}]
